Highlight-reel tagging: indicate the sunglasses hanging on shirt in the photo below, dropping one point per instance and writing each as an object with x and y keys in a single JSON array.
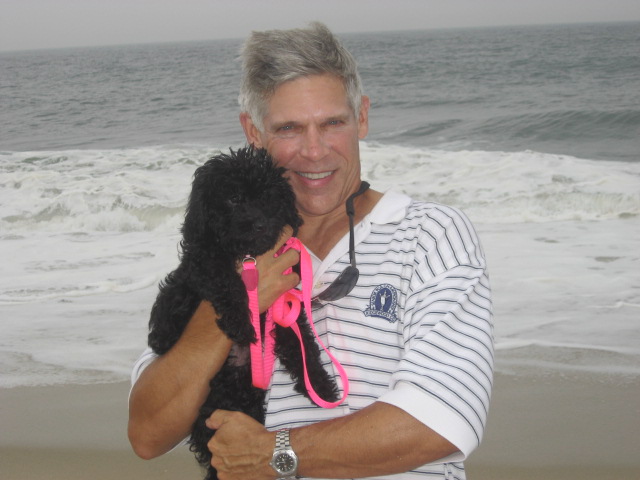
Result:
[{"x": 346, "y": 281}]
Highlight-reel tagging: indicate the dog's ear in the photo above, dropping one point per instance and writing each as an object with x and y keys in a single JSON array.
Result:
[{"x": 197, "y": 216}]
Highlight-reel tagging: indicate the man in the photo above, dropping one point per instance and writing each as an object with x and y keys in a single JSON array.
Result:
[{"x": 414, "y": 334}]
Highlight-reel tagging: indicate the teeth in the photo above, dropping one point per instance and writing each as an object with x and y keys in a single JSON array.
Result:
[{"x": 314, "y": 176}]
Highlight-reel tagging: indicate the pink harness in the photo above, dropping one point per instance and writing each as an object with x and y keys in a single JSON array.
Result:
[{"x": 284, "y": 311}]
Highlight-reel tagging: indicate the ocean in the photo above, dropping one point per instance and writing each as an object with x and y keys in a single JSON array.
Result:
[{"x": 533, "y": 131}]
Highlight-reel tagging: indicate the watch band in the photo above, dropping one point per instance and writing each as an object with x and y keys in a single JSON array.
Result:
[{"x": 282, "y": 439}]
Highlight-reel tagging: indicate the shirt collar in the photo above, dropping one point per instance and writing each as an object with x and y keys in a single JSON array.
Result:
[{"x": 392, "y": 207}]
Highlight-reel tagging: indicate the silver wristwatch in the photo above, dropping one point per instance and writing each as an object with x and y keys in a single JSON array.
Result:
[{"x": 284, "y": 460}]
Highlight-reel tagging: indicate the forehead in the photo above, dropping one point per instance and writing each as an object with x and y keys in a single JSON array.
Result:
[{"x": 310, "y": 96}]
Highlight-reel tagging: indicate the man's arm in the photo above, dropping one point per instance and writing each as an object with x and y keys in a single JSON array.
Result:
[
  {"x": 165, "y": 400},
  {"x": 378, "y": 440}
]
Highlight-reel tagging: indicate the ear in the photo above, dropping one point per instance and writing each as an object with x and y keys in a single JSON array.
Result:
[
  {"x": 195, "y": 219},
  {"x": 363, "y": 117},
  {"x": 252, "y": 132}
]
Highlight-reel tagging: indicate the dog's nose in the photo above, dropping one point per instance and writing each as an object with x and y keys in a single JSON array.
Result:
[{"x": 259, "y": 227}]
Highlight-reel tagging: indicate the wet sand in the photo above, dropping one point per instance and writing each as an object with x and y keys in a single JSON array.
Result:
[{"x": 542, "y": 425}]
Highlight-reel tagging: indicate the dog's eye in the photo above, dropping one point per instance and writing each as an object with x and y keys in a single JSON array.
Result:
[{"x": 234, "y": 200}]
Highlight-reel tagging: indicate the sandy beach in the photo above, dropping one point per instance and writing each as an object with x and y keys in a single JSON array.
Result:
[{"x": 543, "y": 424}]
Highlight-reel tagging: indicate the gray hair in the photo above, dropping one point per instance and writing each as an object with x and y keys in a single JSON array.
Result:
[{"x": 273, "y": 57}]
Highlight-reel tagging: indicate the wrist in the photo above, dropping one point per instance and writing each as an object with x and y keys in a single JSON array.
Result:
[{"x": 284, "y": 460}]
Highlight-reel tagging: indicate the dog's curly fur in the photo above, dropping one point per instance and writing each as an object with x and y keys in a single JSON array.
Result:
[{"x": 239, "y": 205}]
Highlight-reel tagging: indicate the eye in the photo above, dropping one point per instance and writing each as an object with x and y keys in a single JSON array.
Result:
[
  {"x": 334, "y": 123},
  {"x": 288, "y": 130},
  {"x": 234, "y": 200}
]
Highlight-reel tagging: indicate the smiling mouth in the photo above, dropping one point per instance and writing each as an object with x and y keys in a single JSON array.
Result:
[{"x": 314, "y": 176}]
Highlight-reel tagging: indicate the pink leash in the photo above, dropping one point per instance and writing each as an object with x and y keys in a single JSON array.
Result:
[{"x": 284, "y": 311}]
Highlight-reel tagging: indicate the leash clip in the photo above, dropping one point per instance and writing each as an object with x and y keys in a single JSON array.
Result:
[{"x": 250, "y": 273}]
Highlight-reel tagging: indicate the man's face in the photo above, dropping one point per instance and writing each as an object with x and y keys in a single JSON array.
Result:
[{"x": 311, "y": 130}]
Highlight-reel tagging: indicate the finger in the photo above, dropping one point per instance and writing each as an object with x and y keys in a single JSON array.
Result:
[
  {"x": 217, "y": 419},
  {"x": 285, "y": 235},
  {"x": 288, "y": 259}
]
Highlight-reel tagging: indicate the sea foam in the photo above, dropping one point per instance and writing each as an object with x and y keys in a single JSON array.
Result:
[{"x": 146, "y": 189}]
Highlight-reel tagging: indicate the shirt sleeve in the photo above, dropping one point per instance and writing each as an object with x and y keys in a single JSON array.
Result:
[
  {"x": 445, "y": 376},
  {"x": 144, "y": 360}
]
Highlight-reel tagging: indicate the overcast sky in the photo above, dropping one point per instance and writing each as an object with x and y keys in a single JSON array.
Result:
[{"x": 33, "y": 24}]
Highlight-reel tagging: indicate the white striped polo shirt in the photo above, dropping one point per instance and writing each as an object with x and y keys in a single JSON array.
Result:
[{"x": 416, "y": 332}]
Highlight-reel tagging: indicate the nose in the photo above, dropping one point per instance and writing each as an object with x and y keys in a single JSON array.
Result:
[
  {"x": 314, "y": 146},
  {"x": 259, "y": 227}
]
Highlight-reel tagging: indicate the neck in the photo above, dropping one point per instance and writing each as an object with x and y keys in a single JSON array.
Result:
[{"x": 321, "y": 233}]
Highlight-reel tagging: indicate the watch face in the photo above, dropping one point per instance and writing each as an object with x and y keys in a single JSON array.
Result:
[{"x": 284, "y": 463}]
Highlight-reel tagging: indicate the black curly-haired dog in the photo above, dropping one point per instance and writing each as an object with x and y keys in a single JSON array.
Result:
[{"x": 239, "y": 205}]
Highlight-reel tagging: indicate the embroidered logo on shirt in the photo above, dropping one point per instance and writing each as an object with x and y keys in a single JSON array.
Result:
[{"x": 383, "y": 303}]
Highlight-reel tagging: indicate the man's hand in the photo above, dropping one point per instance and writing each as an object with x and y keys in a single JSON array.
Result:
[
  {"x": 272, "y": 282},
  {"x": 241, "y": 447}
]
